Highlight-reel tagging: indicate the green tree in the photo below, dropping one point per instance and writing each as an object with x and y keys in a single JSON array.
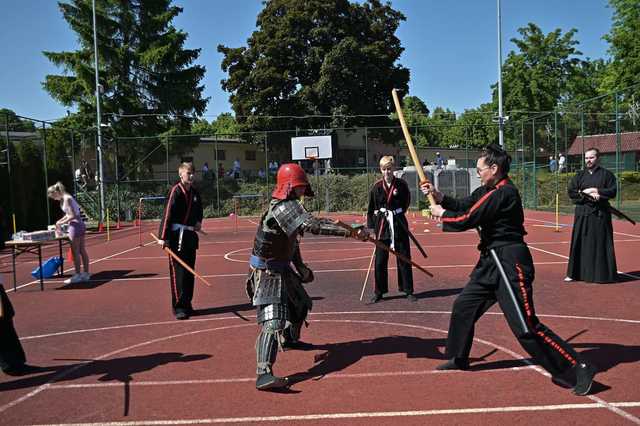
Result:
[
  {"x": 145, "y": 72},
  {"x": 14, "y": 123},
  {"x": 623, "y": 45},
  {"x": 316, "y": 57},
  {"x": 537, "y": 78}
]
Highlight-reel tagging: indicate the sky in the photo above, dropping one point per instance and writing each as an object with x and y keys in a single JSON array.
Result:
[{"x": 450, "y": 46}]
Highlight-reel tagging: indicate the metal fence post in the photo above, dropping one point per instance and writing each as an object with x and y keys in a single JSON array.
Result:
[
  {"x": 46, "y": 177},
  {"x": 619, "y": 188},
  {"x": 10, "y": 177},
  {"x": 215, "y": 147},
  {"x": 535, "y": 180},
  {"x": 73, "y": 166}
]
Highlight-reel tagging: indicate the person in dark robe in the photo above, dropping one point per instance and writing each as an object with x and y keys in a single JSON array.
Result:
[
  {"x": 12, "y": 358},
  {"x": 592, "y": 257}
]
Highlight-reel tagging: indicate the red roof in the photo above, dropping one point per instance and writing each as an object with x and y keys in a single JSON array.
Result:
[{"x": 606, "y": 143}]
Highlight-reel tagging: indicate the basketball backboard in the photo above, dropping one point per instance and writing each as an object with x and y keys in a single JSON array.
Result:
[{"x": 311, "y": 147}]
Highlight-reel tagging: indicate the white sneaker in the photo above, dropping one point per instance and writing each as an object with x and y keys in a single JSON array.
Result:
[
  {"x": 76, "y": 278},
  {"x": 568, "y": 279},
  {"x": 86, "y": 276}
]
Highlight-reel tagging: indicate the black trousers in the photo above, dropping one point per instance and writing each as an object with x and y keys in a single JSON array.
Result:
[
  {"x": 405, "y": 272},
  {"x": 182, "y": 281},
  {"x": 485, "y": 288},
  {"x": 11, "y": 352}
]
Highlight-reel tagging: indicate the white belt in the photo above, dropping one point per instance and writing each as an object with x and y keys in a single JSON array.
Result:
[
  {"x": 180, "y": 227},
  {"x": 389, "y": 218}
]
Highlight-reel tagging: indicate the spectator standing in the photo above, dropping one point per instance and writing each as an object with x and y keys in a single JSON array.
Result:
[
  {"x": 76, "y": 228},
  {"x": 236, "y": 169},
  {"x": 592, "y": 256},
  {"x": 439, "y": 161},
  {"x": 562, "y": 163}
]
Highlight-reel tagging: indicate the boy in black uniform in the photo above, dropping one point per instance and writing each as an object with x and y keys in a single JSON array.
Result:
[
  {"x": 389, "y": 199},
  {"x": 181, "y": 220},
  {"x": 496, "y": 208},
  {"x": 592, "y": 257}
]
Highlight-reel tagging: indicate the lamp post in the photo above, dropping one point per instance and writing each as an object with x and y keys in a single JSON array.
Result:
[
  {"x": 501, "y": 119},
  {"x": 99, "y": 127}
]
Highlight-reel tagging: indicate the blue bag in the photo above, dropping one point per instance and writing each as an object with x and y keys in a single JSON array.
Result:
[{"x": 48, "y": 268}]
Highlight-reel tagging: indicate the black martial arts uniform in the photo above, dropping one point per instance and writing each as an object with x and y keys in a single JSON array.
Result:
[
  {"x": 182, "y": 212},
  {"x": 386, "y": 216},
  {"x": 592, "y": 257},
  {"x": 498, "y": 211},
  {"x": 12, "y": 358}
]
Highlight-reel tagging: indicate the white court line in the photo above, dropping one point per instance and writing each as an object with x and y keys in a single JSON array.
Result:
[
  {"x": 319, "y": 271},
  {"x": 252, "y": 379},
  {"x": 615, "y": 232},
  {"x": 599, "y": 402},
  {"x": 368, "y": 313},
  {"x": 362, "y": 415},
  {"x": 566, "y": 257},
  {"x": 65, "y": 373},
  {"x": 367, "y": 249},
  {"x": 90, "y": 263}
]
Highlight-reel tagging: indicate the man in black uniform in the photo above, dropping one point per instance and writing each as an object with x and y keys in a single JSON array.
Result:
[
  {"x": 592, "y": 257},
  {"x": 273, "y": 286},
  {"x": 181, "y": 220},
  {"x": 496, "y": 208},
  {"x": 12, "y": 358},
  {"x": 389, "y": 199}
]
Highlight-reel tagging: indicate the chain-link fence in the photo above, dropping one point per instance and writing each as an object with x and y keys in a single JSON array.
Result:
[{"x": 547, "y": 149}]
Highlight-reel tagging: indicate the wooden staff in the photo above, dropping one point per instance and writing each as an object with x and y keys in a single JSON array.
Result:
[
  {"x": 384, "y": 247},
  {"x": 412, "y": 150},
  {"x": 366, "y": 278},
  {"x": 180, "y": 261}
]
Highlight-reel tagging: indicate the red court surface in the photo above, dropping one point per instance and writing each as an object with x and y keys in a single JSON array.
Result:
[{"x": 112, "y": 353}]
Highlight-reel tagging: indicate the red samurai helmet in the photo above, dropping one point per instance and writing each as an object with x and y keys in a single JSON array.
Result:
[{"x": 289, "y": 176}]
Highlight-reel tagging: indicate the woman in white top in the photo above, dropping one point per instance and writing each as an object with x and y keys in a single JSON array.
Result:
[{"x": 77, "y": 230}]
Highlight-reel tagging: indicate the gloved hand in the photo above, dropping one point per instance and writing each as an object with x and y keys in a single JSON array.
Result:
[{"x": 362, "y": 234}]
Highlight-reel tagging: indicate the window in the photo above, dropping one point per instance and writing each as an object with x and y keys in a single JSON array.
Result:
[
  {"x": 221, "y": 155},
  {"x": 250, "y": 155}
]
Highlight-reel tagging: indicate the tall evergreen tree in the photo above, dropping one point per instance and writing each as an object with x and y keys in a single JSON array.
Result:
[{"x": 144, "y": 70}]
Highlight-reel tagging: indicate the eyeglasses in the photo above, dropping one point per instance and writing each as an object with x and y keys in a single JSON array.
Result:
[{"x": 479, "y": 170}]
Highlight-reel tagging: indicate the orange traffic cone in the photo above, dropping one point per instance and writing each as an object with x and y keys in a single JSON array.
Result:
[
  {"x": 100, "y": 227},
  {"x": 70, "y": 255}
]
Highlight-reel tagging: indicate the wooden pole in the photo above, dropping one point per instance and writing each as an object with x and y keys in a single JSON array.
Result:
[
  {"x": 412, "y": 150},
  {"x": 180, "y": 261}
]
